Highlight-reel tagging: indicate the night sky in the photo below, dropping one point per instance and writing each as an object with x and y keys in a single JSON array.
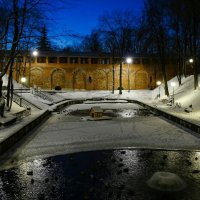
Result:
[{"x": 81, "y": 16}]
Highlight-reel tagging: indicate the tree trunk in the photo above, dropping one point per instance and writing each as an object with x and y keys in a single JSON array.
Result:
[
  {"x": 165, "y": 79},
  {"x": 113, "y": 72},
  {"x": 113, "y": 78},
  {"x": 1, "y": 87},
  {"x": 8, "y": 89},
  {"x": 120, "y": 78},
  {"x": 195, "y": 76},
  {"x": 194, "y": 50},
  {"x": 11, "y": 96}
]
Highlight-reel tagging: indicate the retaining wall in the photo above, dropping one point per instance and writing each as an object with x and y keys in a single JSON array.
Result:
[
  {"x": 192, "y": 126},
  {"x": 17, "y": 133}
]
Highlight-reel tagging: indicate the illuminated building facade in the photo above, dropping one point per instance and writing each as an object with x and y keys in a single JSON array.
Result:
[{"x": 90, "y": 71}]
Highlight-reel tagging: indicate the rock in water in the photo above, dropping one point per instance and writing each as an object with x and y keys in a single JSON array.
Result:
[{"x": 166, "y": 181}]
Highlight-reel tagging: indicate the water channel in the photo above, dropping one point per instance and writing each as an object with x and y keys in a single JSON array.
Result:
[
  {"x": 113, "y": 173},
  {"x": 100, "y": 175}
]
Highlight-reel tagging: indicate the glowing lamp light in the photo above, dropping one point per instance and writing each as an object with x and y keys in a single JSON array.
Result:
[
  {"x": 35, "y": 53},
  {"x": 129, "y": 60},
  {"x": 158, "y": 83},
  {"x": 191, "y": 60},
  {"x": 23, "y": 79}
]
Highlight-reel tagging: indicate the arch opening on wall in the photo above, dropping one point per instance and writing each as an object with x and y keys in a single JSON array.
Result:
[
  {"x": 101, "y": 80},
  {"x": 79, "y": 79},
  {"x": 57, "y": 79},
  {"x": 36, "y": 77},
  {"x": 141, "y": 80}
]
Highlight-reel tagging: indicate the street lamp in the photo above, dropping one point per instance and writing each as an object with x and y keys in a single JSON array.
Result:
[
  {"x": 23, "y": 80},
  {"x": 129, "y": 61},
  {"x": 191, "y": 60},
  {"x": 158, "y": 83},
  {"x": 173, "y": 84},
  {"x": 34, "y": 54},
  {"x": 188, "y": 63}
]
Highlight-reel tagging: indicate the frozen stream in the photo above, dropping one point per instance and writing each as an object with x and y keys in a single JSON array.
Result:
[
  {"x": 101, "y": 175},
  {"x": 69, "y": 157},
  {"x": 68, "y": 132}
]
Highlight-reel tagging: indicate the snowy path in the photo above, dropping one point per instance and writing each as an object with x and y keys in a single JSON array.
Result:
[{"x": 64, "y": 133}]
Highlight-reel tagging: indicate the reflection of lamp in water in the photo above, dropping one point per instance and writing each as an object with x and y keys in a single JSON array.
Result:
[{"x": 158, "y": 83}]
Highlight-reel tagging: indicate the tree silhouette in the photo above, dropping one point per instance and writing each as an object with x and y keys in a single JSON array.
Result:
[
  {"x": 44, "y": 43},
  {"x": 92, "y": 42}
]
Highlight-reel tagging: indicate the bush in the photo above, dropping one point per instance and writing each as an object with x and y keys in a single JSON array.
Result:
[{"x": 58, "y": 87}]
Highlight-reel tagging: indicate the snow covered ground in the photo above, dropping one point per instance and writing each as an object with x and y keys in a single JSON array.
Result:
[
  {"x": 186, "y": 104},
  {"x": 67, "y": 133},
  {"x": 64, "y": 133}
]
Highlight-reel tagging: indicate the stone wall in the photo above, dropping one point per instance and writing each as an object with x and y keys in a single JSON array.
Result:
[{"x": 94, "y": 76}]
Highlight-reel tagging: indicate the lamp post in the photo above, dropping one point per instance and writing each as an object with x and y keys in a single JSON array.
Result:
[
  {"x": 173, "y": 84},
  {"x": 158, "y": 83},
  {"x": 23, "y": 80},
  {"x": 188, "y": 63},
  {"x": 34, "y": 54},
  {"x": 129, "y": 61}
]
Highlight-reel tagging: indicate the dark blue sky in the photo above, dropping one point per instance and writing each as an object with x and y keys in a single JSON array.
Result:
[{"x": 81, "y": 16}]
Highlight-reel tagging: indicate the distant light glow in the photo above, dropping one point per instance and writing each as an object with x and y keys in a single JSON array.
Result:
[
  {"x": 128, "y": 113},
  {"x": 129, "y": 60},
  {"x": 158, "y": 83},
  {"x": 35, "y": 53},
  {"x": 23, "y": 79},
  {"x": 191, "y": 60}
]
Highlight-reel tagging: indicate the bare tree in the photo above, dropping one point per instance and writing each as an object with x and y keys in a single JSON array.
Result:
[
  {"x": 118, "y": 26},
  {"x": 184, "y": 23},
  {"x": 13, "y": 30},
  {"x": 154, "y": 31},
  {"x": 92, "y": 42},
  {"x": 194, "y": 35}
]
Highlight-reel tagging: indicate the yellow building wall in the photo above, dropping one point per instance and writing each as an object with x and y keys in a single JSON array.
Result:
[{"x": 94, "y": 76}]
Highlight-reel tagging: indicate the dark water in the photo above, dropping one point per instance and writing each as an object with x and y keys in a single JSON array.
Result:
[{"x": 101, "y": 175}]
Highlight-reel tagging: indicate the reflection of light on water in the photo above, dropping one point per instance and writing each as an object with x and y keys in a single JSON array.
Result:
[
  {"x": 129, "y": 159},
  {"x": 36, "y": 167},
  {"x": 127, "y": 113},
  {"x": 2, "y": 192},
  {"x": 196, "y": 160},
  {"x": 38, "y": 162},
  {"x": 172, "y": 158}
]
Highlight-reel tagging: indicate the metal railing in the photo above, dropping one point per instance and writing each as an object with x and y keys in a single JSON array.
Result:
[
  {"x": 24, "y": 103},
  {"x": 44, "y": 96}
]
